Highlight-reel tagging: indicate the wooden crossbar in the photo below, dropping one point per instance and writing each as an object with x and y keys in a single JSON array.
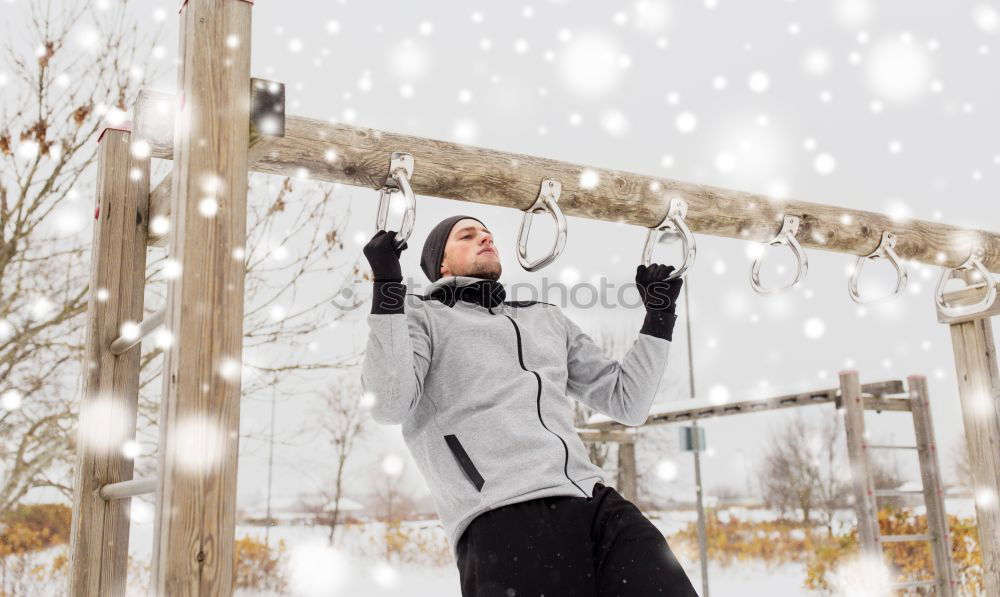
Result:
[
  {"x": 685, "y": 410},
  {"x": 359, "y": 156}
]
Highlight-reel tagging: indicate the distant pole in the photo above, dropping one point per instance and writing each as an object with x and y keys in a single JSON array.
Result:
[
  {"x": 702, "y": 541},
  {"x": 270, "y": 468}
]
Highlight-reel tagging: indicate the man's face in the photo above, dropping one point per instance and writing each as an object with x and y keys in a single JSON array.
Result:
[{"x": 470, "y": 252}]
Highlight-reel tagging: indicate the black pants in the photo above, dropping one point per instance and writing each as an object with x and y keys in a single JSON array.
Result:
[{"x": 565, "y": 546}]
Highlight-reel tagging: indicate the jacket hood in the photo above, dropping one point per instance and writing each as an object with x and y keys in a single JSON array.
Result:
[{"x": 482, "y": 291}]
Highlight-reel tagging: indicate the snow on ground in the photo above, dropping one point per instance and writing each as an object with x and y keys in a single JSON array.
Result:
[
  {"x": 319, "y": 570},
  {"x": 355, "y": 569}
]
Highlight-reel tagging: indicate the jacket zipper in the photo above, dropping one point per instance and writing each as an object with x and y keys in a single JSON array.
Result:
[{"x": 538, "y": 401}]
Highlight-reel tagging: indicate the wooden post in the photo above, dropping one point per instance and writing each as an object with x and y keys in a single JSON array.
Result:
[
  {"x": 930, "y": 473},
  {"x": 100, "y": 529},
  {"x": 199, "y": 423},
  {"x": 979, "y": 393},
  {"x": 626, "y": 471},
  {"x": 857, "y": 453}
]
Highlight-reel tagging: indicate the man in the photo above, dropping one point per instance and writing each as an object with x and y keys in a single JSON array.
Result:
[{"x": 480, "y": 386}]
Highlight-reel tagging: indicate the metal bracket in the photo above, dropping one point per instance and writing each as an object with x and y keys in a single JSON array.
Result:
[
  {"x": 673, "y": 223},
  {"x": 974, "y": 261},
  {"x": 267, "y": 108},
  {"x": 885, "y": 249},
  {"x": 548, "y": 195},
  {"x": 789, "y": 227},
  {"x": 398, "y": 180}
]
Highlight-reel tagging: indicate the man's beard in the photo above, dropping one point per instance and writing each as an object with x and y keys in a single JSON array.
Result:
[{"x": 486, "y": 271}]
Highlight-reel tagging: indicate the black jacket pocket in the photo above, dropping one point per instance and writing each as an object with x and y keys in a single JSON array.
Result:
[{"x": 465, "y": 462}]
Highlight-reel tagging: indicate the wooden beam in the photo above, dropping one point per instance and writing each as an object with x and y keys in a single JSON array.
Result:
[
  {"x": 359, "y": 156},
  {"x": 617, "y": 436},
  {"x": 874, "y": 394},
  {"x": 865, "y": 507},
  {"x": 160, "y": 197},
  {"x": 930, "y": 476},
  {"x": 99, "y": 530},
  {"x": 267, "y": 123},
  {"x": 979, "y": 394},
  {"x": 193, "y": 544}
]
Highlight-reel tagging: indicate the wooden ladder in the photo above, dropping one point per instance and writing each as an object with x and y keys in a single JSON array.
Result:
[
  {"x": 224, "y": 121},
  {"x": 915, "y": 401}
]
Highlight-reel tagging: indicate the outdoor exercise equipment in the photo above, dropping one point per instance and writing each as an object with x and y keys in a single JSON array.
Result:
[
  {"x": 398, "y": 180},
  {"x": 546, "y": 202},
  {"x": 222, "y": 124},
  {"x": 673, "y": 224}
]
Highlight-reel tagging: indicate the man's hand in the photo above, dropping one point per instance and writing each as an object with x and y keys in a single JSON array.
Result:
[
  {"x": 383, "y": 256},
  {"x": 658, "y": 293}
]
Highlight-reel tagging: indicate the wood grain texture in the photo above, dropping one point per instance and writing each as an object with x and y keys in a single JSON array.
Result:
[
  {"x": 930, "y": 476},
  {"x": 199, "y": 423},
  {"x": 467, "y": 173},
  {"x": 627, "y": 481},
  {"x": 100, "y": 529},
  {"x": 160, "y": 197},
  {"x": 682, "y": 410},
  {"x": 979, "y": 393},
  {"x": 865, "y": 507}
]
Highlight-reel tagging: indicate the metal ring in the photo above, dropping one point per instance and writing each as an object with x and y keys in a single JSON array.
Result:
[
  {"x": 548, "y": 195},
  {"x": 789, "y": 226},
  {"x": 974, "y": 261},
  {"x": 886, "y": 248},
  {"x": 673, "y": 223},
  {"x": 398, "y": 180}
]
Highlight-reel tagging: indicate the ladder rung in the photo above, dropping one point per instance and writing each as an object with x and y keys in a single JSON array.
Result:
[
  {"x": 898, "y": 492},
  {"x": 891, "y": 447},
  {"x": 146, "y": 326},
  {"x": 127, "y": 489},
  {"x": 912, "y": 584},
  {"x": 903, "y": 538}
]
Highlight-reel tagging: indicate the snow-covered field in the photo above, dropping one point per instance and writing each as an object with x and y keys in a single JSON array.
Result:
[
  {"x": 316, "y": 569},
  {"x": 356, "y": 568}
]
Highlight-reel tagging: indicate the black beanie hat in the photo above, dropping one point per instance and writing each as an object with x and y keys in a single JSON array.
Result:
[{"x": 433, "y": 252}]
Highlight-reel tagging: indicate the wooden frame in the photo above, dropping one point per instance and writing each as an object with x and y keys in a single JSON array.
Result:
[
  {"x": 211, "y": 129},
  {"x": 194, "y": 537},
  {"x": 100, "y": 528},
  {"x": 853, "y": 399}
]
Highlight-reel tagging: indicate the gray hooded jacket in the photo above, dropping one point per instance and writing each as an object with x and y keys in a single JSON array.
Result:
[{"x": 482, "y": 390}]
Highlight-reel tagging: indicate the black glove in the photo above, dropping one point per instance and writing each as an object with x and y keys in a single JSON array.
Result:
[
  {"x": 659, "y": 296},
  {"x": 658, "y": 293},
  {"x": 383, "y": 256}
]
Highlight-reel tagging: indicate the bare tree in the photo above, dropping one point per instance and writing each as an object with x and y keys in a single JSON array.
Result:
[
  {"x": 53, "y": 107},
  {"x": 831, "y": 486},
  {"x": 801, "y": 469},
  {"x": 341, "y": 421},
  {"x": 653, "y": 445},
  {"x": 388, "y": 500},
  {"x": 613, "y": 344}
]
